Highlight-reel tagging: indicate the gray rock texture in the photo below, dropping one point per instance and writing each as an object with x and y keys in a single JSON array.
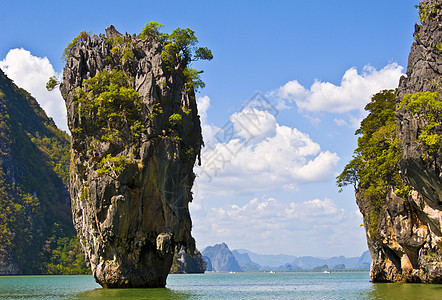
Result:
[
  {"x": 408, "y": 244},
  {"x": 130, "y": 191}
]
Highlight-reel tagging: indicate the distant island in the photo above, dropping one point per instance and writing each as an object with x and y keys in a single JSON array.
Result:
[{"x": 219, "y": 258}]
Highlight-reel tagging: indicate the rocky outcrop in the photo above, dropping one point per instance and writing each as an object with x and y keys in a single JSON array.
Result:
[
  {"x": 185, "y": 262},
  {"x": 407, "y": 246},
  {"x": 221, "y": 258},
  {"x": 135, "y": 137}
]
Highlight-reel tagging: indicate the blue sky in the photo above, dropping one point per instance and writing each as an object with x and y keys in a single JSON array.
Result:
[{"x": 316, "y": 62}]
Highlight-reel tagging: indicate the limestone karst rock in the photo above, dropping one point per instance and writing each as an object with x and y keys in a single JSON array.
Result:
[
  {"x": 407, "y": 245},
  {"x": 135, "y": 137}
]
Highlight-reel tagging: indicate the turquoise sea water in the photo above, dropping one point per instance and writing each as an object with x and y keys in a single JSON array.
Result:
[{"x": 284, "y": 285}]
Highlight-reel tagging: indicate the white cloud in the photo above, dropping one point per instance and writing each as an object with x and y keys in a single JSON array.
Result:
[
  {"x": 252, "y": 152},
  {"x": 209, "y": 130},
  {"x": 31, "y": 73},
  {"x": 203, "y": 105},
  {"x": 340, "y": 122},
  {"x": 253, "y": 124},
  {"x": 267, "y": 226},
  {"x": 354, "y": 92}
]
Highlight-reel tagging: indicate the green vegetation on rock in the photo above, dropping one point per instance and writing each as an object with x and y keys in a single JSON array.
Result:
[
  {"x": 110, "y": 165},
  {"x": 179, "y": 51},
  {"x": 122, "y": 50},
  {"x": 374, "y": 167},
  {"x": 427, "y": 104},
  {"x": 52, "y": 83},
  {"x": 426, "y": 12},
  {"x": 109, "y": 105},
  {"x": 82, "y": 37}
]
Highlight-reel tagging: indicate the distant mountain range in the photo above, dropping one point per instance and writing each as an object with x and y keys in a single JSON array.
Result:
[{"x": 221, "y": 259}]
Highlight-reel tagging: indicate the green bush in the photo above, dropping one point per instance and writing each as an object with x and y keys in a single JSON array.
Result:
[
  {"x": 175, "y": 120},
  {"x": 52, "y": 83},
  {"x": 113, "y": 165}
]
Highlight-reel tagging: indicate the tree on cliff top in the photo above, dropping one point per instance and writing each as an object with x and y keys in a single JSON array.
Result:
[{"x": 179, "y": 51}]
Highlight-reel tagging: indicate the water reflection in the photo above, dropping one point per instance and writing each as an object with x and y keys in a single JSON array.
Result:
[
  {"x": 405, "y": 291},
  {"x": 135, "y": 294}
]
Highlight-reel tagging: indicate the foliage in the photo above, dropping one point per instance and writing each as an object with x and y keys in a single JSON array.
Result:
[
  {"x": 66, "y": 257},
  {"x": 122, "y": 49},
  {"x": 52, "y": 83},
  {"x": 156, "y": 110},
  {"x": 194, "y": 81},
  {"x": 180, "y": 47},
  {"x": 151, "y": 30},
  {"x": 110, "y": 103},
  {"x": 113, "y": 165},
  {"x": 82, "y": 37},
  {"x": 175, "y": 119},
  {"x": 188, "y": 155},
  {"x": 374, "y": 167},
  {"x": 203, "y": 53},
  {"x": 20, "y": 213},
  {"x": 427, "y": 13},
  {"x": 34, "y": 166},
  {"x": 427, "y": 104},
  {"x": 56, "y": 153},
  {"x": 179, "y": 51}
]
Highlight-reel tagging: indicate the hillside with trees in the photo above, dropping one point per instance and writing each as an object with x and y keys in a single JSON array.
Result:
[{"x": 36, "y": 232}]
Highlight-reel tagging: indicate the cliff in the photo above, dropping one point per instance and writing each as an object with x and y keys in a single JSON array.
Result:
[
  {"x": 221, "y": 258},
  {"x": 135, "y": 137},
  {"x": 396, "y": 170},
  {"x": 35, "y": 219},
  {"x": 185, "y": 262}
]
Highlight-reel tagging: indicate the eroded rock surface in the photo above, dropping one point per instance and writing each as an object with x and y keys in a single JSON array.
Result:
[
  {"x": 131, "y": 166},
  {"x": 407, "y": 246}
]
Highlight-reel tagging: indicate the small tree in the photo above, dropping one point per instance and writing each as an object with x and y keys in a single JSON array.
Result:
[{"x": 52, "y": 83}]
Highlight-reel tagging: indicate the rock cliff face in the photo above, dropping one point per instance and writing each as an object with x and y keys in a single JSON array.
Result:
[
  {"x": 135, "y": 137},
  {"x": 187, "y": 263},
  {"x": 408, "y": 244},
  {"x": 221, "y": 258}
]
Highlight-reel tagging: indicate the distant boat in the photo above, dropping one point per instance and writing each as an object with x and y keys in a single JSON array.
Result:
[
  {"x": 326, "y": 272},
  {"x": 273, "y": 272}
]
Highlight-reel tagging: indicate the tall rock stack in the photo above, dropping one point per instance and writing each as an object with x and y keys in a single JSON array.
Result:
[
  {"x": 407, "y": 246},
  {"x": 135, "y": 137}
]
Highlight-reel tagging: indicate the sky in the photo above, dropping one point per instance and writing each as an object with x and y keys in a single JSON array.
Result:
[{"x": 284, "y": 94}]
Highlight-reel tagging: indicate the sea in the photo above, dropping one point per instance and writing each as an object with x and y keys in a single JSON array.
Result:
[{"x": 249, "y": 285}]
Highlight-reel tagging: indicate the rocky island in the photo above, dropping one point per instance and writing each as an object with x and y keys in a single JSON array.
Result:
[
  {"x": 136, "y": 135},
  {"x": 396, "y": 170}
]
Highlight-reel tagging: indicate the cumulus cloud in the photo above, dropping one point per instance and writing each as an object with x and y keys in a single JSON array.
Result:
[
  {"x": 209, "y": 130},
  {"x": 354, "y": 92},
  {"x": 253, "y": 152},
  {"x": 31, "y": 73},
  {"x": 267, "y": 225}
]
